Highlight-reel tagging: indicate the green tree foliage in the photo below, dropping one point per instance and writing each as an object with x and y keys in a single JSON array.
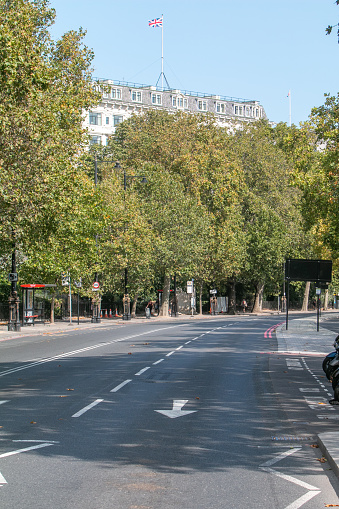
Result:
[
  {"x": 323, "y": 189},
  {"x": 46, "y": 201},
  {"x": 272, "y": 218},
  {"x": 193, "y": 201}
]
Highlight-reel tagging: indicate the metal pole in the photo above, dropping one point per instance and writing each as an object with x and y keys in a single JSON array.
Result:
[
  {"x": 70, "y": 301},
  {"x": 78, "y": 307},
  {"x": 288, "y": 302},
  {"x": 162, "y": 53}
]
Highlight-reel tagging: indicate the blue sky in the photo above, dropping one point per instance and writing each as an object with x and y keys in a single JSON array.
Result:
[{"x": 251, "y": 49}]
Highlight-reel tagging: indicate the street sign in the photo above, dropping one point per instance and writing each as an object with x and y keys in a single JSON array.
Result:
[
  {"x": 189, "y": 286},
  {"x": 213, "y": 292},
  {"x": 96, "y": 285},
  {"x": 78, "y": 284}
]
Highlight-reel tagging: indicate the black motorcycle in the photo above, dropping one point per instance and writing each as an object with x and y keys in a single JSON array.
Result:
[{"x": 331, "y": 369}]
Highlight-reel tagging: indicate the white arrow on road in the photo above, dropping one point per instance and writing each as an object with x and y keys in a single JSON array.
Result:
[{"x": 176, "y": 410}]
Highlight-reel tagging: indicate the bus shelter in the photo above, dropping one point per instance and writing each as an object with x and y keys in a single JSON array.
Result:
[{"x": 33, "y": 307}]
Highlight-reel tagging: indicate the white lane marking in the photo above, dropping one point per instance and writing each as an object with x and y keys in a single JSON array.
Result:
[
  {"x": 4, "y": 401},
  {"x": 2, "y": 479},
  {"x": 302, "y": 500},
  {"x": 280, "y": 457},
  {"x": 168, "y": 354},
  {"x": 81, "y": 350},
  {"x": 177, "y": 409},
  {"x": 118, "y": 387},
  {"x": 187, "y": 342},
  {"x": 38, "y": 441},
  {"x": 157, "y": 362},
  {"x": 311, "y": 389},
  {"x": 19, "y": 451},
  {"x": 293, "y": 363},
  {"x": 294, "y": 480},
  {"x": 142, "y": 371},
  {"x": 88, "y": 407},
  {"x": 312, "y": 490},
  {"x": 180, "y": 347}
]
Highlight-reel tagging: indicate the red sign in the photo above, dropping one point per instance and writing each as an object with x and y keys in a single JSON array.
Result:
[
  {"x": 96, "y": 285},
  {"x": 32, "y": 286}
]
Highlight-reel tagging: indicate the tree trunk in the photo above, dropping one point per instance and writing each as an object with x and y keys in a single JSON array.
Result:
[
  {"x": 306, "y": 296},
  {"x": 258, "y": 298},
  {"x": 232, "y": 300},
  {"x": 326, "y": 300},
  {"x": 52, "y": 309},
  {"x": 134, "y": 306},
  {"x": 165, "y": 296}
]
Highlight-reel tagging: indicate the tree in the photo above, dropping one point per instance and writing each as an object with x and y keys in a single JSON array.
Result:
[
  {"x": 270, "y": 208},
  {"x": 44, "y": 87},
  {"x": 323, "y": 184},
  {"x": 196, "y": 156}
]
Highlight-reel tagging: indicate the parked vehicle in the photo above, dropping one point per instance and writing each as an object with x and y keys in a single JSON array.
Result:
[{"x": 331, "y": 369}]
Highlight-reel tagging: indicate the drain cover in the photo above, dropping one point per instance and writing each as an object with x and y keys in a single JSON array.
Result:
[{"x": 291, "y": 438}]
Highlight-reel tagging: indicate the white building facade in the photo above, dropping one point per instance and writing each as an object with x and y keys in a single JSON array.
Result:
[{"x": 121, "y": 99}]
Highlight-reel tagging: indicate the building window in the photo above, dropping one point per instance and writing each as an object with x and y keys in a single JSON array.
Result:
[
  {"x": 179, "y": 102},
  {"x": 136, "y": 96},
  {"x": 221, "y": 108},
  {"x": 117, "y": 119},
  {"x": 236, "y": 110},
  {"x": 116, "y": 93},
  {"x": 240, "y": 110},
  {"x": 202, "y": 105},
  {"x": 156, "y": 99},
  {"x": 95, "y": 140},
  {"x": 107, "y": 120},
  {"x": 94, "y": 118}
]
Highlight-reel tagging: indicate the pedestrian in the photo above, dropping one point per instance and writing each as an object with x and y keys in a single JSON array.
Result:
[{"x": 244, "y": 305}]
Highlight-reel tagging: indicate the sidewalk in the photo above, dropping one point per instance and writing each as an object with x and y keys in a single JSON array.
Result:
[{"x": 300, "y": 338}]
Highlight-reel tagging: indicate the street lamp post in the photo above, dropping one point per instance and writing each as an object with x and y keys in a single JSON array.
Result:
[
  {"x": 14, "y": 320},
  {"x": 126, "y": 298}
]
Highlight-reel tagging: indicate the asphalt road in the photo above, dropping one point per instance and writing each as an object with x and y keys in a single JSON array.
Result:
[{"x": 200, "y": 414}]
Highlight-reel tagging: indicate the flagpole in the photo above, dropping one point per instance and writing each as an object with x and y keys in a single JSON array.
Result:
[
  {"x": 290, "y": 106},
  {"x": 162, "y": 52}
]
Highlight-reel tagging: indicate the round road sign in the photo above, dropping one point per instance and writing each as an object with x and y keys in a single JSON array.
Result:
[{"x": 96, "y": 285}]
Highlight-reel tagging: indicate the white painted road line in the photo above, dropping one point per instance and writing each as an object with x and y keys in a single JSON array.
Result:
[
  {"x": 180, "y": 347},
  {"x": 187, "y": 342},
  {"x": 4, "y": 401},
  {"x": 302, "y": 500},
  {"x": 142, "y": 371},
  {"x": 120, "y": 385},
  {"x": 81, "y": 350},
  {"x": 18, "y": 451},
  {"x": 88, "y": 407},
  {"x": 168, "y": 354},
  {"x": 157, "y": 362}
]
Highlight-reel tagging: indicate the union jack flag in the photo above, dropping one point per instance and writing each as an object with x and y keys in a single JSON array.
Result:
[{"x": 157, "y": 22}]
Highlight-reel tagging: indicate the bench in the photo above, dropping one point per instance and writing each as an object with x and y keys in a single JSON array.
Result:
[{"x": 28, "y": 317}]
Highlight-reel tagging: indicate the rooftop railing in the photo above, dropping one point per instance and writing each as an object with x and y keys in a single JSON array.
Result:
[{"x": 201, "y": 95}]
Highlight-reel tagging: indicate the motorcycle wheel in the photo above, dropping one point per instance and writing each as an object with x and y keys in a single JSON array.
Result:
[{"x": 335, "y": 382}]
